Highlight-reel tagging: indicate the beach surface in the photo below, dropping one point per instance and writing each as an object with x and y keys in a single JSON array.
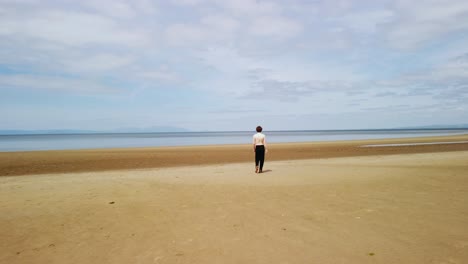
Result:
[
  {"x": 88, "y": 160},
  {"x": 407, "y": 207}
]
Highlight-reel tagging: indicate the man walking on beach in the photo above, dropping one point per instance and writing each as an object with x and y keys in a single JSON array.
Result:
[{"x": 259, "y": 146}]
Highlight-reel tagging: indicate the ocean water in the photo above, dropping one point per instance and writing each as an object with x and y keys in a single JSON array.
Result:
[{"x": 126, "y": 140}]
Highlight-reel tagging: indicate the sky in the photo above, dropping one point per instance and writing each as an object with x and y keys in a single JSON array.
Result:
[{"x": 214, "y": 65}]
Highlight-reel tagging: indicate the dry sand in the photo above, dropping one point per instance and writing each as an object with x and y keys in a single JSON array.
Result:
[{"x": 407, "y": 208}]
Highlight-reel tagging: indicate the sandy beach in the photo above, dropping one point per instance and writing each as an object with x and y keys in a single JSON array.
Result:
[
  {"x": 329, "y": 202},
  {"x": 88, "y": 160}
]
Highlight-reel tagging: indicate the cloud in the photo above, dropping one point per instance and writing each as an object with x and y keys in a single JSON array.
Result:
[
  {"x": 419, "y": 23},
  {"x": 275, "y": 27},
  {"x": 331, "y": 57},
  {"x": 210, "y": 30},
  {"x": 384, "y": 94},
  {"x": 185, "y": 35},
  {"x": 222, "y": 23},
  {"x": 364, "y": 21},
  {"x": 294, "y": 91},
  {"x": 112, "y": 8},
  {"x": 250, "y": 7},
  {"x": 163, "y": 74},
  {"x": 438, "y": 88},
  {"x": 71, "y": 28},
  {"x": 231, "y": 23},
  {"x": 455, "y": 67},
  {"x": 187, "y": 2},
  {"x": 121, "y": 9},
  {"x": 97, "y": 63},
  {"x": 54, "y": 83}
]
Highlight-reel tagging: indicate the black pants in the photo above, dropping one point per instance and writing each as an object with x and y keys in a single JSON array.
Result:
[{"x": 259, "y": 156}]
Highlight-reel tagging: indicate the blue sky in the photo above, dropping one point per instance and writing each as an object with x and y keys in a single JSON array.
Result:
[{"x": 232, "y": 64}]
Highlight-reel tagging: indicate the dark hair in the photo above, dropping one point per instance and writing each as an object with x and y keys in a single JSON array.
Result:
[{"x": 259, "y": 129}]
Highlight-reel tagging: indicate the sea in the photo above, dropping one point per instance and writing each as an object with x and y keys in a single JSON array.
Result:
[{"x": 11, "y": 143}]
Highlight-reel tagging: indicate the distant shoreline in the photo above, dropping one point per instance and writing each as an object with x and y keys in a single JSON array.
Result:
[
  {"x": 89, "y": 132},
  {"x": 43, "y": 142}
]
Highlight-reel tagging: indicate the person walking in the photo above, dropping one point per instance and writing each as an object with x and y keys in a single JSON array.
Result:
[{"x": 260, "y": 148}]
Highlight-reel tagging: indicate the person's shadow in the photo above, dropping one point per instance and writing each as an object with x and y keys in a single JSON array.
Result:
[{"x": 265, "y": 171}]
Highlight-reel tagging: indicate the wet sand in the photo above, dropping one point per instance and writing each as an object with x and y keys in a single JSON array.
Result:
[
  {"x": 42, "y": 162},
  {"x": 364, "y": 208}
]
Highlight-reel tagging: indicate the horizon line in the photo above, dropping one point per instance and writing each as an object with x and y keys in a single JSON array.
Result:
[{"x": 18, "y": 132}]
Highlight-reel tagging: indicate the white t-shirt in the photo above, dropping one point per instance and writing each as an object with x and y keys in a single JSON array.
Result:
[{"x": 259, "y": 139}]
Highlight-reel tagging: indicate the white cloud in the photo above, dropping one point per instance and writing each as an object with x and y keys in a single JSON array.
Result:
[
  {"x": 163, "y": 74},
  {"x": 71, "y": 28},
  {"x": 121, "y": 8},
  {"x": 228, "y": 61},
  {"x": 185, "y": 35},
  {"x": 275, "y": 26},
  {"x": 279, "y": 79},
  {"x": 160, "y": 76},
  {"x": 54, "y": 83},
  {"x": 187, "y": 2},
  {"x": 365, "y": 21},
  {"x": 223, "y": 24},
  {"x": 250, "y": 7},
  {"x": 210, "y": 30},
  {"x": 112, "y": 8},
  {"x": 413, "y": 35},
  {"x": 235, "y": 7},
  {"x": 434, "y": 10},
  {"x": 423, "y": 21},
  {"x": 97, "y": 63}
]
